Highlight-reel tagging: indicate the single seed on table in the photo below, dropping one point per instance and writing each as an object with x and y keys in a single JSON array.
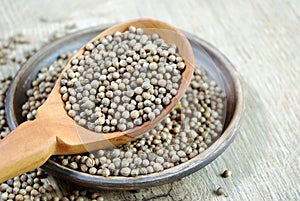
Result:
[
  {"x": 226, "y": 173},
  {"x": 220, "y": 191}
]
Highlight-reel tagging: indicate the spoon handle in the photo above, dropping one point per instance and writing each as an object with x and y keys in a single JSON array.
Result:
[{"x": 24, "y": 149}]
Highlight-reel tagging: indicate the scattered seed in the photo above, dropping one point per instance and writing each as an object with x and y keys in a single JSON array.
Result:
[
  {"x": 220, "y": 191},
  {"x": 226, "y": 173}
]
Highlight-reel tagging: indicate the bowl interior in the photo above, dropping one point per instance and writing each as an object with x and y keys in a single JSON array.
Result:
[{"x": 217, "y": 67}]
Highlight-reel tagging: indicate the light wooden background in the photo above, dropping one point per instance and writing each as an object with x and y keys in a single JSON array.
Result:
[{"x": 260, "y": 37}]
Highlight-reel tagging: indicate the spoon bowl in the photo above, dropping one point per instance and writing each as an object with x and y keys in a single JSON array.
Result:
[{"x": 55, "y": 133}]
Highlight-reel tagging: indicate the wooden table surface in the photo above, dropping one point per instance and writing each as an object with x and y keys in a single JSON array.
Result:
[{"x": 261, "y": 38}]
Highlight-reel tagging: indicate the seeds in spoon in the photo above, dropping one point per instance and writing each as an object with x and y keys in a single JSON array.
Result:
[{"x": 115, "y": 85}]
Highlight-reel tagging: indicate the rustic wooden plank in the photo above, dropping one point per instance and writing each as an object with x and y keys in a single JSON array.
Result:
[{"x": 261, "y": 38}]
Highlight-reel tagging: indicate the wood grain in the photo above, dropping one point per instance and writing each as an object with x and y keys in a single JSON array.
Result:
[{"x": 261, "y": 38}]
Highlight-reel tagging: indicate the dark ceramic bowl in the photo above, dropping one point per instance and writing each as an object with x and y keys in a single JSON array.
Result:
[{"x": 218, "y": 68}]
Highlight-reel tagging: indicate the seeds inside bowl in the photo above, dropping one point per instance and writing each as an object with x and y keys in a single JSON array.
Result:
[
  {"x": 121, "y": 81},
  {"x": 187, "y": 131}
]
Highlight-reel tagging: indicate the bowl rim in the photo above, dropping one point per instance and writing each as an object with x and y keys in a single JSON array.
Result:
[{"x": 153, "y": 179}]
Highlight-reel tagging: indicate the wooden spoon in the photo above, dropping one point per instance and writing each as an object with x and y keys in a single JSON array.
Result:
[{"x": 54, "y": 133}]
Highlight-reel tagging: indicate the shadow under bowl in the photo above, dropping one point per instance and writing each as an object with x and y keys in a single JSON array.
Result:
[{"x": 218, "y": 68}]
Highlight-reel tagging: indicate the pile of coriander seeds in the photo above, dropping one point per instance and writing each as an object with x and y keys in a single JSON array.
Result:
[
  {"x": 187, "y": 131},
  {"x": 121, "y": 81},
  {"x": 4, "y": 130},
  {"x": 33, "y": 185}
]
